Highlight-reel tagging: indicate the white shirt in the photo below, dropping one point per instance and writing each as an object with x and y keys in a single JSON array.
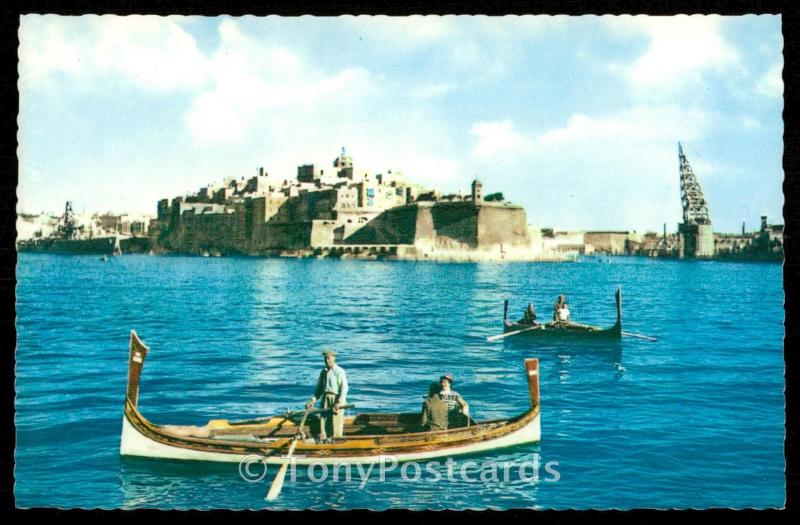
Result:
[{"x": 563, "y": 313}]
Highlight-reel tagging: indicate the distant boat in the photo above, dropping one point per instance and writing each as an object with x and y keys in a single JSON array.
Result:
[
  {"x": 367, "y": 437},
  {"x": 69, "y": 237},
  {"x": 205, "y": 254},
  {"x": 561, "y": 328}
]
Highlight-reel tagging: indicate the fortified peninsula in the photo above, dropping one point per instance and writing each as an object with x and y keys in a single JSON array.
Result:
[{"x": 341, "y": 212}]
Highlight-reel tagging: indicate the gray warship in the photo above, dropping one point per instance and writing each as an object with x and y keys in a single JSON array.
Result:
[{"x": 70, "y": 237}]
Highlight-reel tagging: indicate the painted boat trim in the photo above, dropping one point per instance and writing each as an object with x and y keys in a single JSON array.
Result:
[
  {"x": 134, "y": 443},
  {"x": 142, "y": 438}
]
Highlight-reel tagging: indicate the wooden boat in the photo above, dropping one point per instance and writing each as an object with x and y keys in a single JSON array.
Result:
[
  {"x": 559, "y": 328},
  {"x": 368, "y": 437}
]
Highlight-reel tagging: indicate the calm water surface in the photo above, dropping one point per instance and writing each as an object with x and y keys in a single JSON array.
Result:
[{"x": 695, "y": 420}]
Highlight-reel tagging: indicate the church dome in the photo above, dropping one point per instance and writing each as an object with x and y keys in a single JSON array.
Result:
[{"x": 343, "y": 161}]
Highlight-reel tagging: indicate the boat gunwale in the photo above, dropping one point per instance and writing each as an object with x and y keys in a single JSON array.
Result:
[
  {"x": 557, "y": 327},
  {"x": 403, "y": 442}
]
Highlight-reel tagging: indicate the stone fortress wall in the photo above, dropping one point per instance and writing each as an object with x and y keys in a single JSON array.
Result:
[{"x": 319, "y": 213}]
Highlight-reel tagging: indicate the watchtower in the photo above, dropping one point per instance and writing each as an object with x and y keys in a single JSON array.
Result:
[{"x": 477, "y": 191}]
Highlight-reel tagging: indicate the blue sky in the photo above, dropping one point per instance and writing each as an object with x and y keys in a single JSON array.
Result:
[{"x": 576, "y": 118}]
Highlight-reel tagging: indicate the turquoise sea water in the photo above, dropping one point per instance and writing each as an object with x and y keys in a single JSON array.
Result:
[{"x": 695, "y": 420}]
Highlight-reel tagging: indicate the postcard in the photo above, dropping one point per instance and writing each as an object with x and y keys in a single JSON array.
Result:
[{"x": 422, "y": 262}]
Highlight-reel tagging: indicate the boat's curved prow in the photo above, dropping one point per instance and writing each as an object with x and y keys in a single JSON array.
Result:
[
  {"x": 138, "y": 352},
  {"x": 532, "y": 373},
  {"x": 139, "y": 437},
  {"x": 618, "y": 297}
]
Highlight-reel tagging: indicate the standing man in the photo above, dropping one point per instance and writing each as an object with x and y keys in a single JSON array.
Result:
[
  {"x": 451, "y": 397},
  {"x": 332, "y": 389}
]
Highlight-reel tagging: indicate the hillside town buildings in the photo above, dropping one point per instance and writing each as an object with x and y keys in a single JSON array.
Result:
[{"x": 341, "y": 211}]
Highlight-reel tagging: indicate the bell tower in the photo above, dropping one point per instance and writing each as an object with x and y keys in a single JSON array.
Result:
[{"x": 477, "y": 192}]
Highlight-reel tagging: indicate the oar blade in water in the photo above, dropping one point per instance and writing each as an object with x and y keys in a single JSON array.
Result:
[
  {"x": 640, "y": 336},
  {"x": 515, "y": 332},
  {"x": 277, "y": 483}
]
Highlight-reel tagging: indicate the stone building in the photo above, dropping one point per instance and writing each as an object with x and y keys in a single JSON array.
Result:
[
  {"x": 613, "y": 242},
  {"x": 568, "y": 243},
  {"x": 320, "y": 211}
]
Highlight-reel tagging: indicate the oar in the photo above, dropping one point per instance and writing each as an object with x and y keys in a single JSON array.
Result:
[
  {"x": 319, "y": 410},
  {"x": 515, "y": 332},
  {"x": 640, "y": 336},
  {"x": 286, "y": 415},
  {"x": 277, "y": 483},
  {"x": 628, "y": 334}
]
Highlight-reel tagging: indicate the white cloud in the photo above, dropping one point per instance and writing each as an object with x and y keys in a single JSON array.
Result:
[
  {"x": 152, "y": 52},
  {"x": 498, "y": 138},
  {"x": 45, "y": 47},
  {"x": 249, "y": 79},
  {"x": 641, "y": 125},
  {"x": 568, "y": 174},
  {"x": 681, "y": 49},
  {"x": 771, "y": 84},
  {"x": 214, "y": 119}
]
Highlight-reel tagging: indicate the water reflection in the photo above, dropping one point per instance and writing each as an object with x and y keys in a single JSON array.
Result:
[
  {"x": 512, "y": 478},
  {"x": 563, "y": 355},
  {"x": 148, "y": 482}
]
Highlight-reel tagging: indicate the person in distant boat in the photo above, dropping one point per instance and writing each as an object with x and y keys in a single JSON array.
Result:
[
  {"x": 561, "y": 310},
  {"x": 332, "y": 390},
  {"x": 434, "y": 409},
  {"x": 454, "y": 401},
  {"x": 557, "y": 307},
  {"x": 529, "y": 316}
]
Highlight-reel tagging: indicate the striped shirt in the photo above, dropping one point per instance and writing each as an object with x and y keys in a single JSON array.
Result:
[{"x": 452, "y": 399}]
